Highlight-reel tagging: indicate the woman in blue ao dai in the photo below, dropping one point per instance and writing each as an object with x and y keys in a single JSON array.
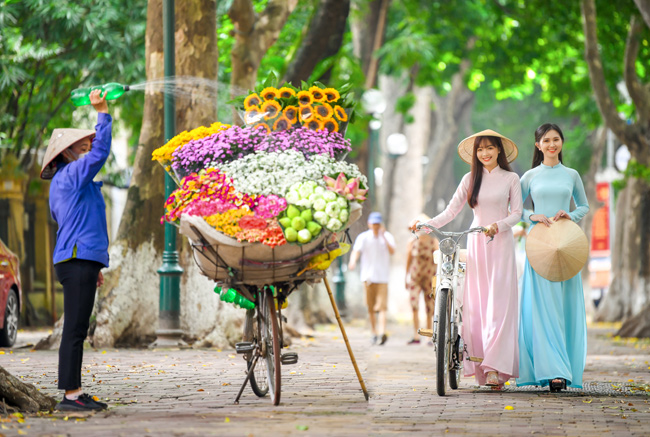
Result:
[{"x": 553, "y": 328}]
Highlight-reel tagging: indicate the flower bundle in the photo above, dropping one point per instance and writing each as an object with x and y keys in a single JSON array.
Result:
[
  {"x": 235, "y": 143},
  {"x": 313, "y": 106},
  {"x": 164, "y": 154},
  {"x": 277, "y": 180}
]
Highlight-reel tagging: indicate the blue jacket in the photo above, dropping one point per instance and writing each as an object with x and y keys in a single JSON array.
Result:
[{"x": 77, "y": 204}]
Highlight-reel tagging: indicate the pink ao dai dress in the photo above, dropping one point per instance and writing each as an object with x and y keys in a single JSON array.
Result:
[{"x": 490, "y": 308}]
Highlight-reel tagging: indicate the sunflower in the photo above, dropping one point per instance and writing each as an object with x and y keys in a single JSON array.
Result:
[
  {"x": 317, "y": 93},
  {"x": 252, "y": 100},
  {"x": 270, "y": 109},
  {"x": 291, "y": 112},
  {"x": 270, "y": 93},
  {"x": 331, "y": 95},
  {"x": 331, "y": 125},
  {"x": 253, "y": 115},
  {"x": 305, "y": 98},
  {"x": 340, "y": 113},
  {"x": 285, "y": 92},
  {"x": 324, "y": 111},
  {"x": 282, "y": 123},
  {"x": 306, "y": 113},
  {"x": 263, "y": 126},
  {"x": 314, "y": 124}
]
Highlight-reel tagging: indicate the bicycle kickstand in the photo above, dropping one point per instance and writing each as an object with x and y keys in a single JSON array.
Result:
[{"x": 248, "y": 377}]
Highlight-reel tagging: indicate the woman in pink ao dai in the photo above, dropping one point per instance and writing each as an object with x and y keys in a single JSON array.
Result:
[{"x": 490, "y": 301}]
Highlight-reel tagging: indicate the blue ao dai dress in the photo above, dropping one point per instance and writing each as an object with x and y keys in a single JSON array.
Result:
[{"x": 553, "y": 328}]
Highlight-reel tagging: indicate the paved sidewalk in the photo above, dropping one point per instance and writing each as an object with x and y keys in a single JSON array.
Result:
[{"x": 190, "y": 392}]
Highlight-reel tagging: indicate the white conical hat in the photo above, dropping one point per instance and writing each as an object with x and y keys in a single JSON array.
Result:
[
  {"x": 558, "y": 252},
  {"x": 466, "y": 147},
  {"x": 60, "y": 140}
]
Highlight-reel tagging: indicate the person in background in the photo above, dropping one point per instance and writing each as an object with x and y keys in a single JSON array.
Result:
[
  {"x": 374, "y": 248},
  {"x": 420, "y": 272},
  {"x": 72, "y": 160}
]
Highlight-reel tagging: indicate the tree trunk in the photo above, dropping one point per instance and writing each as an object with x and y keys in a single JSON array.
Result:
[
  {"x": 24, "y": 397},
  {"x": 600, "y": 140},
  {"x": 254, "y": 35},
  {"x": 629, "y": 291},
  {"x": 324, "y": 38},
  {"x": 439, "y": 181}
]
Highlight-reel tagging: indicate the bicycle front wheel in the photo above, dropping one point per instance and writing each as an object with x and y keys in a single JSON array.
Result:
[
  {"x": 271, "y": 344},
  {"x": 442, "y": 353}
]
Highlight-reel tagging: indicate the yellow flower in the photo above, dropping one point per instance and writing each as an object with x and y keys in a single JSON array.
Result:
[
  {"x": 317, "y": 94},
  {"x": 331, "y": 95},
  {"x": 314, "y": 124},
  {"x": 253, "y": 115},
  {"x": 270, "y": 93},
  {"x": 286, "y": 92},
  {"x": 270, "y": 109},
  {"x": 164, "y": 154},
  {"x": 306, "y": 113},
  {"x": 340, "y": 113},
  {"x": 305, "y": 98},
  {"x": 331, "y": 125},
  {"x": 291, "y": 112},
  {"x": 324, "y": 111},
  {"x": 282, "y": 123},
  {"x": 252, "y": 100}
]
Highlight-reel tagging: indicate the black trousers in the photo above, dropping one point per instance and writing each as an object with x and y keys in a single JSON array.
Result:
[{"x": 79, "y": 280}]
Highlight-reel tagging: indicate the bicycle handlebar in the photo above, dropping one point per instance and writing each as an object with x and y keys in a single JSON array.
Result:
[{"x": 441, "y": 234}]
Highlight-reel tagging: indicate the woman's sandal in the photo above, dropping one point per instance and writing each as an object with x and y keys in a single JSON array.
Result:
[
  {"x": 557, "y": 385},
  {"x": 492, "y": 379}
]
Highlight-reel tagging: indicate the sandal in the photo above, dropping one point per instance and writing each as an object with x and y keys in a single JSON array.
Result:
[
  {"x": 492, "y": 379},
  {"x": 414, "y": 341}
]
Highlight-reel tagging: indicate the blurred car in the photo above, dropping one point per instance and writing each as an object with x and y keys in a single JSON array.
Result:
[{"x": 10, "y": 296}]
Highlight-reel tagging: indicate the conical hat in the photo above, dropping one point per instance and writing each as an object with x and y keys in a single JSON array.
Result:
[
  {"x": 558, "y": 252},
  {"x": 60, "y": 140},
  {"x": 466, "y": 147}
]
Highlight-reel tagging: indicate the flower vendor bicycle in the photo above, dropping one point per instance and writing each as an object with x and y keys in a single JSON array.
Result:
[
  {"x": 265, "y": 207},
  {"x": 448, "y": 319}
]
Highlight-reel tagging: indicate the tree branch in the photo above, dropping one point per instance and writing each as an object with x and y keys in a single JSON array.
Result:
[
  {"x": 644, "y": 8},
  {"x": 640, "y": 95},
  {"x": 605, "y": 104},
  {"x": 371, "y": 76}
]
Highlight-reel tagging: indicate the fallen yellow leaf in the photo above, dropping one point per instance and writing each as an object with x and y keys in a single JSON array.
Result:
[
  {"x": 509, "y": 407},
  {"x": 227, "y": 420}
]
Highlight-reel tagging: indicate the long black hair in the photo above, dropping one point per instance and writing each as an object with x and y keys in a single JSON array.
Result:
[
  {"x": 476, "y": 175},
  {"x": 538, "y": 156}
]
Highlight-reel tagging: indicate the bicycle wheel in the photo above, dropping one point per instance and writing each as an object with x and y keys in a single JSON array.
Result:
[
  {"x": 455, "y": 357},
  {"x": 258, "y": 378},
  {"x": 271, "y": 344},
  {"x": 442, "y": 362}
]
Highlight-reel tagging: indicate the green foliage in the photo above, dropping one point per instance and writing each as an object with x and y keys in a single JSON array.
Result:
[
  {"x": 50, "y": 47},
  {"x": 634, "y": 170}
]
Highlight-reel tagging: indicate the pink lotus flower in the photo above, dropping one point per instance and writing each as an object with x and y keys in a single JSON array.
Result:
[{"x": 348, "y": 188}]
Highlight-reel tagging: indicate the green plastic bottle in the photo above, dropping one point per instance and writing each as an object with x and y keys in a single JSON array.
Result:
[
  {"x": 231, "y": 295},
  {"x": 81, "y": 96}
]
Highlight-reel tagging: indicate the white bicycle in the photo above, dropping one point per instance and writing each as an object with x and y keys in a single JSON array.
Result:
[{"x": 448, "y": 319}]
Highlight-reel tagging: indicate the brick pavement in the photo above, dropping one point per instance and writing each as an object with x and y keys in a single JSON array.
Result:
[{"x": 190, "y": 392}]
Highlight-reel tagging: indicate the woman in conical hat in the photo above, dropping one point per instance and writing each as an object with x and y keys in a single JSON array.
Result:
[
  {"x": 72, "y": 160},
  {"x": 553, "y": 328},
  {"x": 490, "y": 302}
]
